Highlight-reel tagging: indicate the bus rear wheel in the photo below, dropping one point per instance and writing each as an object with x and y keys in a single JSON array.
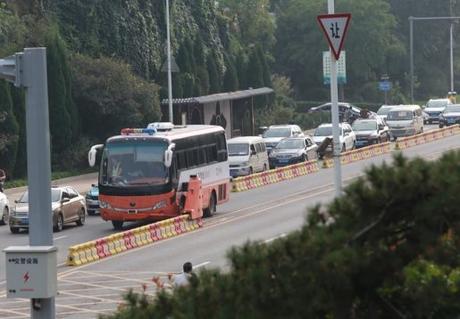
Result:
[
  {"x": 208, "y": 212},
  {"x": 117, "y": 224}
]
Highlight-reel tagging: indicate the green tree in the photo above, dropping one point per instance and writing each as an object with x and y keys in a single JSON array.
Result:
[
  {"x": 19, "y": 110},
  {"x": 255, "y": 71},
  {"x": 369, "y": 44},
  {"x": 387, "y": 248},
  {"x": 9, "y": 130},
  {"x": 110, "y": 97},
  {"x": 230, "y": 82},
  {"x": 254, "y": 23},
  {"x": 58, "y": 90},
  {"x": 214, "y": 77}
]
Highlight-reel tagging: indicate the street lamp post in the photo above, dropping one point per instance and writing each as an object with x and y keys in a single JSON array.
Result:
[
  {"x": 168, "y": 49},
  {"x": 411, "y": 43}
]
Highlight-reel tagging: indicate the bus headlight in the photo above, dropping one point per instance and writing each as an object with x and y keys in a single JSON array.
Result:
[
  {"x": 159, "y": 205},
  {"x": 103, "y": 204}
]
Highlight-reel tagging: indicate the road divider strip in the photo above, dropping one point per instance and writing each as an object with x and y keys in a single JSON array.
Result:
[
  {"x": 410, "y": 141},
  {"x": 360, "y": 154},
  {"x": 273, "y": 176},
  {"x": 114, "y": 244}
]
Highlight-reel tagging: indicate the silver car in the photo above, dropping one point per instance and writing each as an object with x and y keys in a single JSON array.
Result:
[
  {"x": 4, "y": 209},
  {"x": 67, "y": 205}
]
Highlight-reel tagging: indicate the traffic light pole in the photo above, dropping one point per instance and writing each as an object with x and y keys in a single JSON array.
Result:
[
  {"x": 38, "y": 162},
  {"x": 28, "y": 70}
]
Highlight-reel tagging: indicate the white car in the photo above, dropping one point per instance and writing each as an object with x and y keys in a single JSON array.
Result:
[
  {"x": 346, "y": 135},
  {"x": 275, "y": 133},
  {"x": 4, "y": 209}
]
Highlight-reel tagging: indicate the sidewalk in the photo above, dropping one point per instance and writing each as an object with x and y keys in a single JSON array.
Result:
[{"x": 72, "y": 181}]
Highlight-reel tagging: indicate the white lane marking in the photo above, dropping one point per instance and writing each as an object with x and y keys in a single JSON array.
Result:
[
  {"x": 202, "y": 264},
  {"x": 274, "y": 238},
  {"x": 68, "y": 272},
  {"x": 60, "y": 237}
]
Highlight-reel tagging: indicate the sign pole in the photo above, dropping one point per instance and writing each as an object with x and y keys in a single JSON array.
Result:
[
  {"x": 38, "y": 162},
  {"x": 335, "y": 28}
]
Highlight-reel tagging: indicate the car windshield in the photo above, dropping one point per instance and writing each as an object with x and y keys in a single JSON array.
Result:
[
  {"x": 383, "y": 110},
  {"x": 364, "y": 126},
  {"x": 55, "y": 196},
  {"x": 134, "y": 163},
  {"x": 238, "y": 149},
  {"x": 400, "y": 116},
  {"x": 278, "y": 132},
  {"x": 323, "y": 131},
  {"x": 452, "y": 108},
  {"x": 436, "y": 103},
  {"x": 290, "y": 144}
]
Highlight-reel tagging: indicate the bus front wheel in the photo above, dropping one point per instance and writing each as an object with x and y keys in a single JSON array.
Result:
[
  {"x": 208, "y": 212},
  {"x": 117, "y": 224}
]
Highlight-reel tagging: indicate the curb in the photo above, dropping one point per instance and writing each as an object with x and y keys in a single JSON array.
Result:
[
  {"x": 410, "y": 141},
  {"x": 273, "y": 176},
  {"x": 117, "y": 243}
]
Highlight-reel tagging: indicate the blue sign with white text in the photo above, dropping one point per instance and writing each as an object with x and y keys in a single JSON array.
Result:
[{"x": 384, "y": 86}]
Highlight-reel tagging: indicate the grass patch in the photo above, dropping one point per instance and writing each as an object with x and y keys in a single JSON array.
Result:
[{"x": 54, "y": 176}]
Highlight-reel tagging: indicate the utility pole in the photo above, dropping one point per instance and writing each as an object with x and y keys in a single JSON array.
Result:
[{"x": 168, "y": 49}]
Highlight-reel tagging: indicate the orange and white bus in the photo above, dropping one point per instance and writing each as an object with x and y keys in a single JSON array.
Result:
[{"x": 144, "y": 172}]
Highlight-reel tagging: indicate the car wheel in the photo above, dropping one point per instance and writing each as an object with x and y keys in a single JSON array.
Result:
[
  {"x": 208, "y": 212},
  {"x": 81, "y": 218},
  {"x": 117, "y": 224},
  {"x": 14, "y": 230},
  {"x": 440, "y": 125},
  {"x": 421, "y": 130},
  {"x": 5, "y": 216},
  {"x": 59, "y": 223}
]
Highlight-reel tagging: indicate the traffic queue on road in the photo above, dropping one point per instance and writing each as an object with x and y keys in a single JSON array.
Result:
[{"x": 278, "y": 146}]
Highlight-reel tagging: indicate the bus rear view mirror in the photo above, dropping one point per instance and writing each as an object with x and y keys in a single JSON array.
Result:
[
  {"x": 93, "y": 153},
  {"x": 169, "y": 155}
]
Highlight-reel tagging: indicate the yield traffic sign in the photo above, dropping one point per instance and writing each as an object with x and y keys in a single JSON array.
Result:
[{"x": 335, "y": 27}]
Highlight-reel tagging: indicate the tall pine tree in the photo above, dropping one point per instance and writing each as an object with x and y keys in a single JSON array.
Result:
[
  {"x": 60, "y": 117},
  {"x": 9, "y": 130}
]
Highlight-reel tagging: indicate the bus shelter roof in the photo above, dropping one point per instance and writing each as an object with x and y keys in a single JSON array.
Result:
[{"x": 236, "y": 95}]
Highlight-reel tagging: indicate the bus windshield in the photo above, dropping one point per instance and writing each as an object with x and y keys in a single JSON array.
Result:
[{"x": 134, "y": 163}]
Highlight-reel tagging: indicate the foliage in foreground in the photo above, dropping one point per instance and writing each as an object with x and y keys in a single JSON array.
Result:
[{"x": 392, "y": 252}]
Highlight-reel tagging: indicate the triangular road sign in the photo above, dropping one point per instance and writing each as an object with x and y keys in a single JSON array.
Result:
[
  {"x": 174, "y": 66},
  {"x": 335, "y": 28}
]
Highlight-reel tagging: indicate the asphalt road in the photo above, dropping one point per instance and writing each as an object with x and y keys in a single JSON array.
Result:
[{"x": 262, "y": 214}]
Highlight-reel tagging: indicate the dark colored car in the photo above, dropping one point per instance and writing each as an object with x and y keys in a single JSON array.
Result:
[
  {"x": 292, "y": 150},
  {"x": 92, "y": 200},
  {"x": 347, "y": 112},
  {"x": 450, "y": 116},
  {"x": 370, "y": 131}
]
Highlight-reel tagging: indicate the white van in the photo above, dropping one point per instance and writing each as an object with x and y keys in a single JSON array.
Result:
[
  {"x": 405, "y": 120},
  {"x": 247, "y": 155}
]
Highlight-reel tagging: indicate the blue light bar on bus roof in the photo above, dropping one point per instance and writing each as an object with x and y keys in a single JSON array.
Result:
[{"x": 149, "y": 131}]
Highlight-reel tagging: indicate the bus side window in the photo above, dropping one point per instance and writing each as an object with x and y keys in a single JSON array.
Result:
[
  {"x": 211, "y": 153},
  {"x": 181, "y": 160},
  {"x": 221, "y": 148}
]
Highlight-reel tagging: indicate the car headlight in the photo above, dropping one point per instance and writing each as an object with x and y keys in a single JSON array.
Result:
[
  {"x": 104, "y": 204},
  {"x": 159, "y": 205}
]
